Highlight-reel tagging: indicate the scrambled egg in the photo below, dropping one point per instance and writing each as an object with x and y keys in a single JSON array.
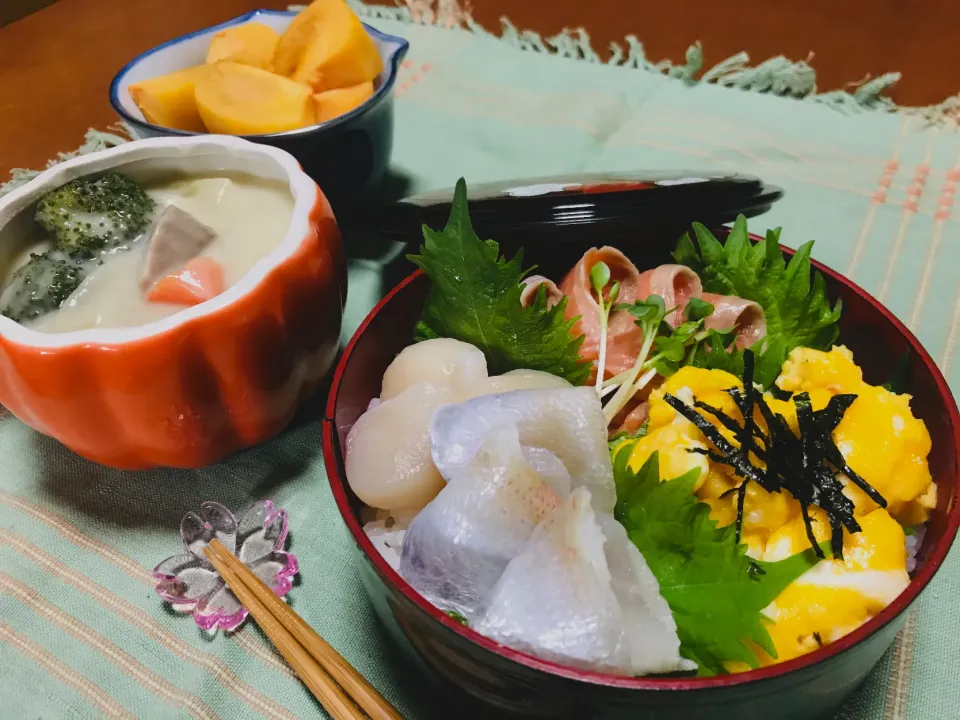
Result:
[
  {"x": 672, "y": 435},
  {"x": 835, "y": 597},
  {"x": 879, "y": 436},
  {"x": 880, "y": 439}
]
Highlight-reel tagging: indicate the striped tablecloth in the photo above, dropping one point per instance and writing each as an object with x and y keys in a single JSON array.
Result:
[{"x": 82, "y": 633}]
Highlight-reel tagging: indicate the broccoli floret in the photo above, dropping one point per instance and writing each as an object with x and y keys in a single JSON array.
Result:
[
  {"x": 41, "y": 285},
  {"x": 87, "y": 215}
]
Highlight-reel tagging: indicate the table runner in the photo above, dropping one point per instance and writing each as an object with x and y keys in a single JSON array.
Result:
[{"x": 82, "y": 633}]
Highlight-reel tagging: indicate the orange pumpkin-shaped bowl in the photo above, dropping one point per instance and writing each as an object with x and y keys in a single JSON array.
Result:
[{"x": 187, "y": 390}]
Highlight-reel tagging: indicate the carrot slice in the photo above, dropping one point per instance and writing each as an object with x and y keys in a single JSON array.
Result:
[{"x": 199, "y": 280}]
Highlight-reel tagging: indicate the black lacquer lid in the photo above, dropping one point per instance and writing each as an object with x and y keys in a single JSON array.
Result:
[{"x": 574, "y": 208}]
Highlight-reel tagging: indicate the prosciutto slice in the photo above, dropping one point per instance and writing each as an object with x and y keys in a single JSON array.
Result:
[
  {"x": 624, "y": 337},
  {"x": 744, "y": 317},
  {"x": 531, "y": 286},
  {"x": 676, "y": 284}
]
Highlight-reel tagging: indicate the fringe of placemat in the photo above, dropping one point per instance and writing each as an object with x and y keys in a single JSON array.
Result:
[
  {"x": 777, "y": 76},
  {"x": 93, "y": 141}
]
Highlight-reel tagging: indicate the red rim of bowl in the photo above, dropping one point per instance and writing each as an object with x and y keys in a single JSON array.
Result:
[{"x": 903, "y": 601}]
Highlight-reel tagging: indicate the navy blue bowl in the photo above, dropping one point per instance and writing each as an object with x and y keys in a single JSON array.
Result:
[{"x": 347, "y": 156}]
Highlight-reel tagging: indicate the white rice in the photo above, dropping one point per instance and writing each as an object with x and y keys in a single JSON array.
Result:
[{"x": 386, "y": 534}]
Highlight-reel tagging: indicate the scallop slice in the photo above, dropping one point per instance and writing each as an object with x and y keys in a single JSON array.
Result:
[
  {"x": 518, "y": 380},
  {"x": 443, "y": 362},
  {"x": 577, "y": 595},
  {"x": 456, "y": 548},
  {"x": 567, "y": 422},
  {"x": 388, "y": 461}
]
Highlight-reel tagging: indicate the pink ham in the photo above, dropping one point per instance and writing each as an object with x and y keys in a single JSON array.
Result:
[
  {"x": 635, "y": 413},
  {"x": 634, "y": 419},
  {"x": 624, "y": 338},
  {"x": 744, "y": 317},
  {"x": 531, "y": 286},
  {"x": 676, "y": 284}
]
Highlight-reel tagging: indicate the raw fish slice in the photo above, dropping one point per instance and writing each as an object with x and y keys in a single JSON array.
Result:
[
  {"x": 555, "y": 599},
  {"x": 456, "y": 548},
  {"x": 745, "y": 317},
  {"x": 531, "y": 286},
  {"x": 676, "y": 284},
  {"x": 388, "y": 461},
  {"x": 624, "y": 338},
  {"x": 550, "y": 469},
  {"x": 517, "y": 380},
  {"x": 177, "y": 238},
  {"x": 648, "y": 623},
  {"x": 581, "y": 594},
  {"x": 442, "y": 362},
  {"x": 567, "y": 422}
]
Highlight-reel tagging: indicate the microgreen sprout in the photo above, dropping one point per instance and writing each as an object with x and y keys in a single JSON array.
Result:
[
  {"x": 600, "y": 279},
  {"x": 674, "y": 347}
]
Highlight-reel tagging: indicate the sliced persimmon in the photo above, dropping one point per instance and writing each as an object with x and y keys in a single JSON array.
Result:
[
  {"x": 327, "y": 47},
  {"x": 250, "y": 44},
  {"x": 199, "y": 280},
  {"x": 235, "y": 99},
  {"x": 169, "y": 101},
  {"x": 334, "y": 103}
]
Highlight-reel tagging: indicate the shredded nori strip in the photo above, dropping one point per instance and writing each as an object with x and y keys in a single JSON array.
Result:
[{"x": 806, "y": 465}]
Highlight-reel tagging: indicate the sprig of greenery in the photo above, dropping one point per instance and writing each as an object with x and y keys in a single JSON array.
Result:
[
  {"x": 793, "y": 297},
  {"x": 600, "y": 279},
  {"x": 649, "y": 315},
  {"x": 673, "y": 347}
]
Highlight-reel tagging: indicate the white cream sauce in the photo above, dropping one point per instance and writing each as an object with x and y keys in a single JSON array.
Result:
[{"x": 250, "y": 216}]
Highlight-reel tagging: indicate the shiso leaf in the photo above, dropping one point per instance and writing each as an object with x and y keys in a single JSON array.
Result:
[
  {"x": 475, "y": 297},
  {"x": 794, "y": 299},
  {"x": 715, "y": 591}
]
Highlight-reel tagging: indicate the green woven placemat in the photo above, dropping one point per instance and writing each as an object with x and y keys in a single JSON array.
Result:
[{"x": 82, "y": 633}]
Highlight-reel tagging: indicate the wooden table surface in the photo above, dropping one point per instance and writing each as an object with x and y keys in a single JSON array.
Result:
[{"x": 56, "y": 64}]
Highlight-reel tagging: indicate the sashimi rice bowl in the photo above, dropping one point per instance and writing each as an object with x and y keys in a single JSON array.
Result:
[{"x": 678, "y": 470}]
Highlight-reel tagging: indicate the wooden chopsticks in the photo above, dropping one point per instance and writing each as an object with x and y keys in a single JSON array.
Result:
[{"x": 342, "y": 691}]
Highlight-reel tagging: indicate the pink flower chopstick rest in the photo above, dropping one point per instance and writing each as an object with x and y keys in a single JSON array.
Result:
[{"x": 191, "y": 584}]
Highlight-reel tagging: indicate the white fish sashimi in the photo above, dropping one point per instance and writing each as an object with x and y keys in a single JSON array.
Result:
[
  {"x": 568, "y": 422},
  {"x": 581, "y": 594},
  {"x": 555, "y": 600},
  {"x": 457, "y": 547},
  {"x": 649, "y": 625}
]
